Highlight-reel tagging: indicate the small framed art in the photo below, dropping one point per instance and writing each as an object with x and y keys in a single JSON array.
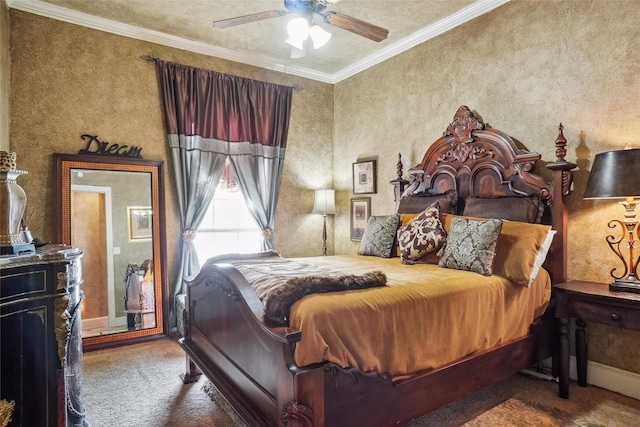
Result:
[
  {"x": 360, "y": 213},
  {"x": 140, "y": 222},
  {"x": 364, "y": 177}
]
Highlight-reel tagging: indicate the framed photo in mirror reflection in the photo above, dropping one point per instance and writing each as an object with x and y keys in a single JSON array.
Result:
[{"x": 140, "y": 222}]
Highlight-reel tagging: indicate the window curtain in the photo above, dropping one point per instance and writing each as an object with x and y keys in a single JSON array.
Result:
[{"x": 209, "y": 117}]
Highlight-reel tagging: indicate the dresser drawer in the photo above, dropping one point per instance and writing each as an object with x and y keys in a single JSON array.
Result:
[
  {"x": 21, "y": 283},
  {"x": 603, "y": 313}
]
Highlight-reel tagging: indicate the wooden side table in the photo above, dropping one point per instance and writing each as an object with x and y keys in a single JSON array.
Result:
[{"x": 589, "y": 302}]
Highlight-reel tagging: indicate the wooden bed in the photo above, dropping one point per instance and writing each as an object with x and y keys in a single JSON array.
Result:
[{"x": 251, "y": 360}]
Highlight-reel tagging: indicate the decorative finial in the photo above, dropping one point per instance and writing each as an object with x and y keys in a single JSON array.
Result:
[
  {"x": 399, "y": 167},
  {"x": 561, "y": 145}
]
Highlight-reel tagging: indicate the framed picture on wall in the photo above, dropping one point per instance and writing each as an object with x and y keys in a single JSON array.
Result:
[
  {"x": 360, "y": 213},
  {"x": 364, "y": 177},
  {"x": 140, "y": 222}
]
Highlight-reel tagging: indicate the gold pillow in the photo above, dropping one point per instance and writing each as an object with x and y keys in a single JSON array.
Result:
[
  {"x": 518, "y": 245},
  {"x": 405, "y": 218}
]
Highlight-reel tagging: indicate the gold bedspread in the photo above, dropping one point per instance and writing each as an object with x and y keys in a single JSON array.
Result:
[{"x": 427, "y": 317}]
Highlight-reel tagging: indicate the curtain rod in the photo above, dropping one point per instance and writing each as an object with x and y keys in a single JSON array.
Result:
[
  {"x": 155, "y": 60},
  {"x": 149, "y": 58}
]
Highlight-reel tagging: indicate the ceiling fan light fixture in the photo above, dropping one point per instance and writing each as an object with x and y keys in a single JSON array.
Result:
[
  {"x": 298, "y": 53},
  {"x": 297, "y": 44},
  {"x": 319, "y": 36},
  {"x": 298, "y": 29}
]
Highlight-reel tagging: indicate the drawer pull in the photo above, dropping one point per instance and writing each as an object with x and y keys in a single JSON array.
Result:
[{"x": 615, "y": 317}]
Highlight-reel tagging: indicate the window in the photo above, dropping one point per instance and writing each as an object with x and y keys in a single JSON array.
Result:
[{"x": 228, "y": 226}]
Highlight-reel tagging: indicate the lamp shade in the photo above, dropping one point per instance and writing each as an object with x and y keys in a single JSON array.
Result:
[
  {"x": 319, "y": 36},
  {"x": 298, "y": 28},
  {"x": 614, "y": 174},
  {"x": 325, "y": 202}
]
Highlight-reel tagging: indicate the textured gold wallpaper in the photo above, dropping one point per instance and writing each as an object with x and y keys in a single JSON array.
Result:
[
  {"x": 4, "y": 76},
  {"x": 524, "y": 67}
]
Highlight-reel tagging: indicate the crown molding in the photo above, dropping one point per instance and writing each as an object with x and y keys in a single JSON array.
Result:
[
  {"x": 49, "y": 10},
  {"x": 466, "y": 14}
]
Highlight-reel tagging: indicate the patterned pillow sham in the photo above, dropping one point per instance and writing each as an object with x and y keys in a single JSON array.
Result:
[
  {"x": 421, "y": 235},
  {"x": 471, "y": 245},
  {"x": 379, "y": 236}
]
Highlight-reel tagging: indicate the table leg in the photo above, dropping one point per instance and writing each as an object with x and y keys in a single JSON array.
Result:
[
  {"x": 581, "y": 352},
  {"x": 563, "y": 377}
]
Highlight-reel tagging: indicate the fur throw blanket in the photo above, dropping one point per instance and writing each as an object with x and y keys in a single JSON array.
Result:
[
  {"x": 278, "y": 302},
  {"x": 280, "y": 282}
]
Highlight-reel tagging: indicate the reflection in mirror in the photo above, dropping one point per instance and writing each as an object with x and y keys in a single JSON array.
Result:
[
  {"x": 110, "y": 208},
  {"x": 118, "y": 289}
]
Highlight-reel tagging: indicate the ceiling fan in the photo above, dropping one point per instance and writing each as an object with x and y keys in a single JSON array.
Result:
[{"x": 308, "y": 9}]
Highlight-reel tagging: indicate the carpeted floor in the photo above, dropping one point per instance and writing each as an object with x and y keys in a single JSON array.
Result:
[{"x": 139, "y": 385}]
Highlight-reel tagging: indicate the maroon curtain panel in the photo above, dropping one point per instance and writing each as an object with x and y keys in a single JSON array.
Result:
[{"x": 224, "y": 107}]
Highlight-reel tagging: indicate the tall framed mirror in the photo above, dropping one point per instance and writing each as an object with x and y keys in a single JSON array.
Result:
[{"x": 112, "y": 209}]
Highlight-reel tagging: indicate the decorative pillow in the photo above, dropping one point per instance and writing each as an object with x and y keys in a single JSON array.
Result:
[
  {"x": 471, "y": 245},
  {"x": 431, "y": 257},
  {"x": 379, "y": 236},
  {"x": 525, "y": 209},
  {"x": 518, "y": 247},
  {"x": 416, "y": 204},
  {"x": 421, "y": 235}
]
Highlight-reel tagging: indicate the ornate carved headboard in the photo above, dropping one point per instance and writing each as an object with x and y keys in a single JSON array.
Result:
[{"x": 475, "y": 159}]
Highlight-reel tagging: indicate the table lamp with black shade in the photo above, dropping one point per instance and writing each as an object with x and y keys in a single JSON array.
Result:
[{"x": 616, "y": 175}]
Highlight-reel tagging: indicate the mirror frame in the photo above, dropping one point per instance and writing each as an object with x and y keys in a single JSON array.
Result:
[{"x": 63, "y": 164}]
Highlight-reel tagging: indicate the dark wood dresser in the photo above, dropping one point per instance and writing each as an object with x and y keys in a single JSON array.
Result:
[{"x": 40, "y": 338}]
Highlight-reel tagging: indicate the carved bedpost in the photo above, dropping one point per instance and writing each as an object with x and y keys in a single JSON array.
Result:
[
  {"x": 399, "y": 183},
  {"x": 191, "y": 373},
  {"x": 561, "y": 187}
]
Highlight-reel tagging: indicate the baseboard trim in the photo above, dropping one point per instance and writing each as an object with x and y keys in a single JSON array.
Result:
[
  {"x": 608, "y": 377},
  {"x": 95, "y": 323}
]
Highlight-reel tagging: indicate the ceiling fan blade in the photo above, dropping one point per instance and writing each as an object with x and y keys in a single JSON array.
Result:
[
  {"x": 246, "y": 19},
  {"x": 356, "y": 26}
]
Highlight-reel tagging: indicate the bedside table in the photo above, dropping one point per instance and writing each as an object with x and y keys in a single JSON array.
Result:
[{"x": 589, "y": 302}]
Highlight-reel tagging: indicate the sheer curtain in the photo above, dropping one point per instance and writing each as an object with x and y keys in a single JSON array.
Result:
[{"x": 210, "y": 116}]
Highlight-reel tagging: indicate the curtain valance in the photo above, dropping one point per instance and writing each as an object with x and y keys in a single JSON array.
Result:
[{"x": 220, "y": 106}]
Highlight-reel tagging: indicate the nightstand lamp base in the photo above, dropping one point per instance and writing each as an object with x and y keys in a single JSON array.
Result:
[{"x": 626, "y": 285}]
